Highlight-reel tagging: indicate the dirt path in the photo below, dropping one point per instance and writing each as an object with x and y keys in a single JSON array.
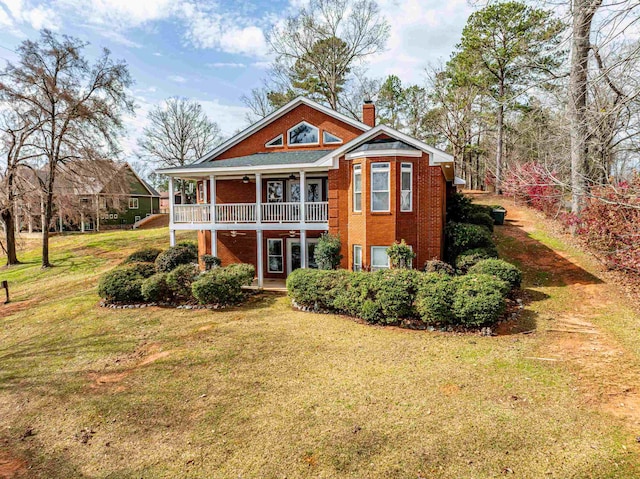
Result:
[{"x": 606, "y": 373}]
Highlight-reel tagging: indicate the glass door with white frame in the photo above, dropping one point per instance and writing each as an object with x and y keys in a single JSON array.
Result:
[{"x": 294, "y": 254}]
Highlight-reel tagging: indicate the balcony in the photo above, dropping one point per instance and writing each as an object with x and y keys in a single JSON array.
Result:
[{"x": 246, "y": 213}]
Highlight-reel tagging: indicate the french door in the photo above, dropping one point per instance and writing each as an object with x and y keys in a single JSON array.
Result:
[{"x": 294, "y": 252}]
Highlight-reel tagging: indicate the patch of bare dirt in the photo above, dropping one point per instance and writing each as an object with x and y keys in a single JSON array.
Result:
[
  {"x": 13, "y": 307},
  {"x": 143, "y": 355},
  {"x": 606, "y": 375},
  {"x": 11, "y": 467}
]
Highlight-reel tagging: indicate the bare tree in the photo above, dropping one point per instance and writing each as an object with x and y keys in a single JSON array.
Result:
[
  {"x": 179, "y": 133},
  {"x": 79, "y": 105},
  {"x": 320, "y": 45}
]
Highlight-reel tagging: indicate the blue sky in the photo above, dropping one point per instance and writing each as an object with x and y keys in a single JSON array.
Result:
[{"x": 215, "y": 51}]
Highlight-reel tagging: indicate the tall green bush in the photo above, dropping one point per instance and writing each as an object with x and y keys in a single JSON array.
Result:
[
  {"x": 327, "y": 251},
  {"x": 460, "y": 237},
  {"x": 173, "y": 257},
  {"x": 400, "y": 255}
]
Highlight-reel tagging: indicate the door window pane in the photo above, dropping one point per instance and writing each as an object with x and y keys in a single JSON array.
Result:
[
  {"x": 275, "y": 191},
  {"x": 379, "y": 258},
  {"x": 274, "y": 255},
  {"x": 311, "y": 256}
]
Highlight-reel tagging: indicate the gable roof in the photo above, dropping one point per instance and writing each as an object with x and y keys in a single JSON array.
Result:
[
  {"x": 234, "y": 140},
  {"x": 283, "y": 158}
]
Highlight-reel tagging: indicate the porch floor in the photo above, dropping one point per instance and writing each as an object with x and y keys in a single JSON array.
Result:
[{"x": 270, "y": 285}]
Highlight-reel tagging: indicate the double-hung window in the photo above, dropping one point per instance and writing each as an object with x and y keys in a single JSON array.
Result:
[
  {"x": 133, "y": 203},
  {"x": 406, "y": 187},
  {"x": 274, "y": 256},
  {"x": 380, "y": 187},
  {"x": 357, "y": 257},
  {"x": 357, "y": 187},
  {"x": 379, "y": 258}
]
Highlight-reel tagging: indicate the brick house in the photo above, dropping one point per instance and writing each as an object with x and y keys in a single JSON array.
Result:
[{"x": 370, "y": 184}]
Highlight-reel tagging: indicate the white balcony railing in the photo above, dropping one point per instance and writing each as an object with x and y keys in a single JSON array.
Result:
[
  {"x": 192, "y": 213},
  {"x": 247, "y": 213},
  {"x": 281, "y": 212},
  {"x": 236, "y": 213},
  {"x": 317, "y": 212}
]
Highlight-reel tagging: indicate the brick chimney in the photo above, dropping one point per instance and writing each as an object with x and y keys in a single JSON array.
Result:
[{"x": 369, "y": 113}]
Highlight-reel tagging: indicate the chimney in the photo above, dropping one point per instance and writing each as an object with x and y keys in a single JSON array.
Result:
[{"x": 369, "y": 113}]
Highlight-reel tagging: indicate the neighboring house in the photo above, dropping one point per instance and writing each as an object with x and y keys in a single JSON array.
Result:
[
  {"x": 371, "y": 185},
  {"x": 95, "y": 195}
]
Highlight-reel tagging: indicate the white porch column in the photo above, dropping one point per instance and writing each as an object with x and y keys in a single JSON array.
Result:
[
  {"x": 97, "y": 226},
  {"x": 205, "y": 193},
  {"x": 214, "y": 242},
  {"x": 82, "y": 222},
  {"x": 260, "y": 259},
  {"x": 172, "y": 232},
  {"x": 303, "y": 248},
  {"x": 258, "y": 198},
  {"x": 212, "y": 200},
  {"x": 303, "y": 196}
]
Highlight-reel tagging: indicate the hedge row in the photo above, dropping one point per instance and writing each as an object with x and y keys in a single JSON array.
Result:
[
  {"x": 389, "y": 295},
  {"x": 172, "y": 275}
]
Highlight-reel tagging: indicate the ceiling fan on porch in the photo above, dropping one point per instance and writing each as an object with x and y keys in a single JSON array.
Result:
[
  {"x": 290, "y": 234},
  {"x": 234, "y": 233}
]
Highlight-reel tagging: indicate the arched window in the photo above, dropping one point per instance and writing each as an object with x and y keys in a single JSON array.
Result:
[{"x": 303, "y": 134}]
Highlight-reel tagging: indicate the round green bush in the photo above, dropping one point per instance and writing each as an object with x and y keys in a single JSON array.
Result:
[
  {"x": 501, "y": 269},
  {"x": 437, "y": 266},
  {"x": 461, "y": 237},
  {"x": 395, "y": 293},
  {"x": 210, "y": 261},
  {"x": 478, "y": 299},
  {"x": 173, "y": 257},
  {"x": 219, "y": 286},
  {"x": 244, "y": 271},
  {"x": 144, "y": 255},
  {"x": 481, "y": 218},
  {"x": 146, "y": 270},
  {"x": 434, "y": 300},
  {"x": 156, "y": 289},
  {"x": 468, "y": 258},
  {"x": 190, "y": 245},
  {"x": 180, "y": 280},
  {"x": 121, "y": 285},
  {"x": 316, "y": 288}
]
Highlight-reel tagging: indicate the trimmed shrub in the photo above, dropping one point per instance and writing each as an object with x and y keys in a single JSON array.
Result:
[
  {"x": 400, "y": 255},
  {"x": 500, "y": 269},
  {"x": 220, "y": 286},
  {"x": 327, "y": 251},
  {"x": 316, "y": 288},
  {"x": 146, "y": 270},
  {"x": 478, "y": 299},
  {"x": 180, "y": 279},
  {"x": 437, "y": 266},
  {"x": 210, "y": 261},
  {"x": 190, "y": 245},
  {"x": 461, "y": 237},
  {"x": 144, "y": 255},
  {"x": 173, "y": 257},
  {"x": 121, "y": 285},
  {"x": 434, "y": 299},
  {"x": 467, "y": 259},
  {"x": 156, "y": 289},
  {"x": 245, "y": 272},
  {"x": 481, "y": 218}
]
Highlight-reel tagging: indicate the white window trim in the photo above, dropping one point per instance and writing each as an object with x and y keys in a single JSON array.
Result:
[
  {"x": 388, "y": 190},
  {"x": 327, "y": 142},
  {"x": 284, "y": 193},
  {"x": 375, "y": 267},
  {"x": 357, "y": 168},
  {"x": 281, "y": 255},
  {"x": 357, "y": 266},
  {"x": 136, "y": 202},
  {"x": 410, "y": 170},
  {"x": 293, "y": 145},
  {"x": 268, "y": 144}
]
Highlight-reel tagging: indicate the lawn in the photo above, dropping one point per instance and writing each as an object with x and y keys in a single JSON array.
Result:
[{"x": 268, "y": 392}]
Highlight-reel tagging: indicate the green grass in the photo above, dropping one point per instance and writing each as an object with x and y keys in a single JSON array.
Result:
[{"x": 268, "y": 392}]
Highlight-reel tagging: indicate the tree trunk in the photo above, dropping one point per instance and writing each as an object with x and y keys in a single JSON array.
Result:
[
  {"x": 500, "y": 141},
  {"x": 48, "y": 214},
  {"x": 583, "y": 12},
  {"x": 10, "y": 236}
]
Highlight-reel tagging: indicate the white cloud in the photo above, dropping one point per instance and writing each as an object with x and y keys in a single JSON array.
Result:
[
  {"x": 120, "y": 14},
  {"x": 422, "y": 32},
  {"x": 37, "y": 17},
  {"x": 226, "y": 65},
  {"x": 177, "y": 78},
  {"x": 5, "y": 19},
  {"x": 230, "y": 118}
]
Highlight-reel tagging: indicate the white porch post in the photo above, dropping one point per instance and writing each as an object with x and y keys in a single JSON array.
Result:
[
  {"x": 172, "y": 232},
  {"x": 204, "y": 191},
  {"x": 212, "y": 215},
  {"x": 82, "y": 222},
  {"x": 303, "y": 248},
  {"x": 303, "y": 196},
  {"x": 260, "y": 260},
  {"x": 258, "y": 198}
]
